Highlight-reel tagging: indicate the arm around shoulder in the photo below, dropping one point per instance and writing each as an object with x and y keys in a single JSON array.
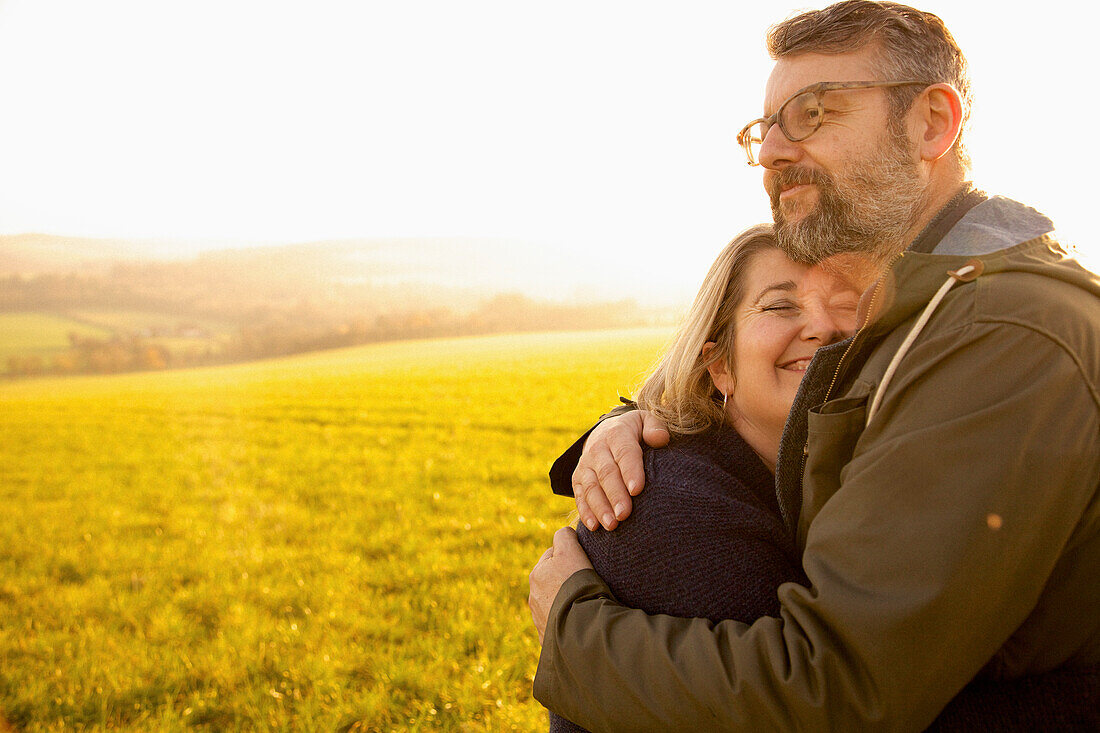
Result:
[
  {"x": 701, "y": 545},
  {"x": 561, "y": 472}
]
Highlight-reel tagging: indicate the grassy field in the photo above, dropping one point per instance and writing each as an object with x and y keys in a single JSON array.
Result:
[
  {"x": 301, "y": 544},
  {"x": 46, "y": 335},
  {"x": 40, "y": 334}
]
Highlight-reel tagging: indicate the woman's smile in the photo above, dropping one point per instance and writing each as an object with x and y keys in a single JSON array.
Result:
[
  {"x": 796, "y": 365},
  {"x": 788, "y": 312}
]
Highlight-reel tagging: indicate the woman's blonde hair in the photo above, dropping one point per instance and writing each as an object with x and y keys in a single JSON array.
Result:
[{"x": 679, "y": 389}]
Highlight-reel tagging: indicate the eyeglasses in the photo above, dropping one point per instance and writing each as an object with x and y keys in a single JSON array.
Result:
[{"x": 801, "y": 115}]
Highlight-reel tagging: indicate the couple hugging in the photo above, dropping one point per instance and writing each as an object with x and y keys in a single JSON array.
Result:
[{"x": 902, "y": 533}]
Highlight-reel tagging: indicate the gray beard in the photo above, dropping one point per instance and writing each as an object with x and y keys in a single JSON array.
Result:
[{"x": 868, "y": 211}]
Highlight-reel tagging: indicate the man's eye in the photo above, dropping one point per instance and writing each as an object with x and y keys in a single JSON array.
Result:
[{"x": 807, "y": 117}]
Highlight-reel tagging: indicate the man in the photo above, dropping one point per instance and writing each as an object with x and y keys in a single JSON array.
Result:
[{"x": 939, "y": 470}]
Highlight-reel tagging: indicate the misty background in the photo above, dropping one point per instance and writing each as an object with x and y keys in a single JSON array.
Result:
[{"x": 192, "y": 182}]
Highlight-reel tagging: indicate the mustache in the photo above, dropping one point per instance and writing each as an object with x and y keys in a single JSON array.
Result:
[{"x": 793, "y": 176}]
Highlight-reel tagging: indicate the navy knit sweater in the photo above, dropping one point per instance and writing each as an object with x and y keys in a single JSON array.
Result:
[{"x": 705, "y": 539}]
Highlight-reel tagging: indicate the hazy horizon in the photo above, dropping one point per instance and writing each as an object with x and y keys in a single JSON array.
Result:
[
  {"x": 595, "y": 140},
  {"x": 485, "y": 265}
]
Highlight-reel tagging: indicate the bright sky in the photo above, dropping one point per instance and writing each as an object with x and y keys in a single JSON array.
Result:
[{"x": 595, "y": 138}]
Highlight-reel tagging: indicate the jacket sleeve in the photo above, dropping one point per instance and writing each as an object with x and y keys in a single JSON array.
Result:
[
  {"x": 561, "y": 473},
  {"x": 974, "y": 487}
]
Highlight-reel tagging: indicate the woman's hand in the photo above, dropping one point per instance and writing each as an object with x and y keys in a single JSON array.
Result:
[
  {"x": 555, "y": 566},
  {"x": 610, "y": 470}
]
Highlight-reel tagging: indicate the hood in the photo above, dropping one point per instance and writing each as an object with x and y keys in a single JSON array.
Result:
[{"x": 1004, "y": 235}]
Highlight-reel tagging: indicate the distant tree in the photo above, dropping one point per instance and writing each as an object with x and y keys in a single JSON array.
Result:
[
  {"x": 22, "y": 366},
  {"x": 153, "y": 356},
  {"x": 67, "y": 362}
]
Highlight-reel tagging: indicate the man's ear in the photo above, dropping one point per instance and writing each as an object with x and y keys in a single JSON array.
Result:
[
  {"x": 719, "y": 374},
  {"x": 938, "y": 115}
]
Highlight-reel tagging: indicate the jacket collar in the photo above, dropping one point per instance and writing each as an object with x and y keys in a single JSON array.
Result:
[
  {"x": 1025, "y": 241},
  {"x": 967, "y": 198},
  {"x": 1002, "y": 233}
]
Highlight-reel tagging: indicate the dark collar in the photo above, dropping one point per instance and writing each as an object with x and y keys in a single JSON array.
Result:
[{"x": 966, "y": 199}]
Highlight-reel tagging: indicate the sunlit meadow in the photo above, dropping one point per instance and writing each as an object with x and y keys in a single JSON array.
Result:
[{"x": 334, "y": 541}]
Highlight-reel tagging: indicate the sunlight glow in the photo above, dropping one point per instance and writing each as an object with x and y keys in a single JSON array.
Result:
[{"x": 595, "y": 137}]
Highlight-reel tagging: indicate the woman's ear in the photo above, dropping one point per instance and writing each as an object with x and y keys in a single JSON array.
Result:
[{"x": 719, "y": 375}]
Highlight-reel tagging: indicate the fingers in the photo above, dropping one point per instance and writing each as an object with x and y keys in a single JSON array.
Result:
[
  {"x": 587, "y": 517},
  {"x": 562, "y": 559},
  {"x": 535, "y": 602},
  {"x": 610, "y": 470},
  {"x": 565, "y": 541},
  {"x": 622, "y": 473},
  {"x": 568, "y": 556},
  {"x": 592, "y": 503},
  {"x": 654, "y": 431},
  {"x": 596, "y": 476},
  {"x": 626, "y": 451}
]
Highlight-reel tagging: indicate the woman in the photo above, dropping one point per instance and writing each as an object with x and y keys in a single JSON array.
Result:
[{"x": 706, "y": 539}]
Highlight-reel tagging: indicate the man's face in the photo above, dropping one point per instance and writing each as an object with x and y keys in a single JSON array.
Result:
[{"x": 854, "y": 185}]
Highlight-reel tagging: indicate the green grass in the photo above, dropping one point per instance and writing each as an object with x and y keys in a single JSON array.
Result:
[
  {"x": 41, "y": 334},
  {"x": 46, "y": 335},
  {"x": 298, "y": 544}
]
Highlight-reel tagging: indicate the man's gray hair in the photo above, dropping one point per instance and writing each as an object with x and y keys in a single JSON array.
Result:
[{"x": 912, "y": 44}]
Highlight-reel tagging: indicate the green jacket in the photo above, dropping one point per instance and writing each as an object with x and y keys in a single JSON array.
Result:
[{"x": 957, "y": 534}]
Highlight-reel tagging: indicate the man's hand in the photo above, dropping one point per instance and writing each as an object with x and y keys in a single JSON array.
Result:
[
  {"x": 563, "y": 559},
  {"x": 610, "y": 470}
]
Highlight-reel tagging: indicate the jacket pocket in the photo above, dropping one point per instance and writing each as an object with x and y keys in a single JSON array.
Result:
[{"x": 832, "y": 431}]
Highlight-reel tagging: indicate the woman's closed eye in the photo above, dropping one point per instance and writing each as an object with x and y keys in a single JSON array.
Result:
[{"x": 782, "y": 307}]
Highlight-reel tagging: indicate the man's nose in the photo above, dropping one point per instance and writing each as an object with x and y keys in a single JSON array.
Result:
[
  {"x": 823, "y": 326},
  {"x": 776, "y": 151}
]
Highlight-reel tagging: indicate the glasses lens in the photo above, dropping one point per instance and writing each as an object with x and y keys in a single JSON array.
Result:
[
  {"x": 801, "y": 116},
  {"x": 750, "y": 139}
]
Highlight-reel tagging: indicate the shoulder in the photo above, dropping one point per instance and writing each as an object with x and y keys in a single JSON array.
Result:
[
  {"x": 1026, "y": 275},
  {"x": 715, "y": 466},
  {"x": 1021, "y": 259},
  {"x": 710, "y": 487},
  {"x": 716, "y": 463},
  {"x": 1030, "y": 303},
  {"x": 699, "y": 541}
]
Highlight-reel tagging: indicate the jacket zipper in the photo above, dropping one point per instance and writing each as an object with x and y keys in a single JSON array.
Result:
[{"x": 851, "y": 345}]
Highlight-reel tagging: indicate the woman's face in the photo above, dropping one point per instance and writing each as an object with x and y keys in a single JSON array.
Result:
[{"x": 787, "y": 312}]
